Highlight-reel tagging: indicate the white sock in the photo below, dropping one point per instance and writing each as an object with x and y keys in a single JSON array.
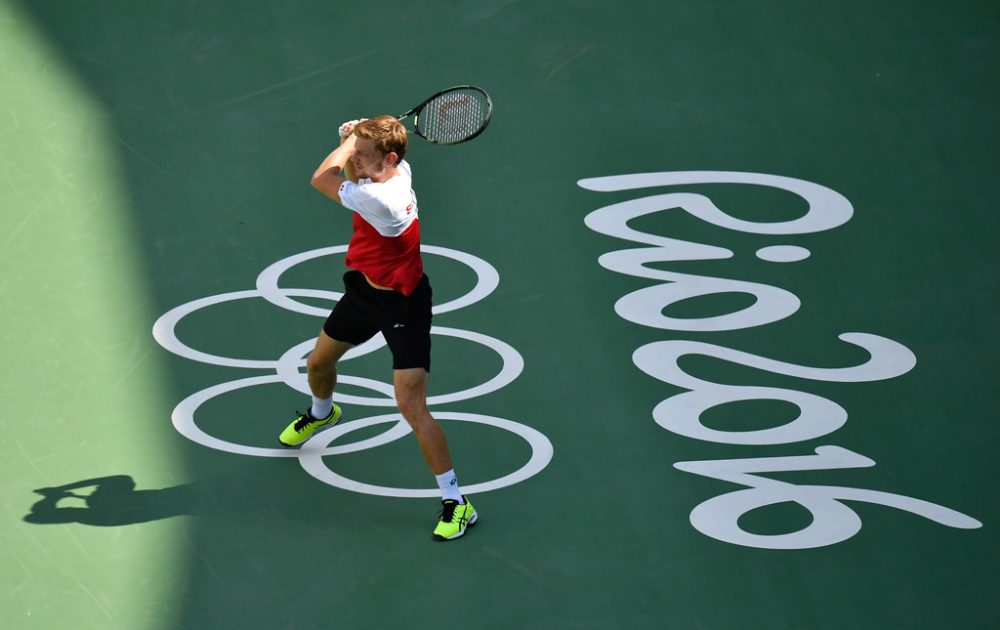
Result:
[
  {"x": 448, "y": 482},
  {"x": 321, "y": 407}
]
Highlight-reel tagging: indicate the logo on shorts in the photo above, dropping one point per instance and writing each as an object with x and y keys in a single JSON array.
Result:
[{"x": 398, "y": 325}]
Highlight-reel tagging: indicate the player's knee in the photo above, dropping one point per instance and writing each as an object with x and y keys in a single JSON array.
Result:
[
  {"x": 413, "y": 408},
  {"x": 319, "y": 365},
  {"x": 409, "y": 408}
]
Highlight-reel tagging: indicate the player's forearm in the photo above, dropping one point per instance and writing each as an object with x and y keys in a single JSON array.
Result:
[{"x": 337, "y": 161}]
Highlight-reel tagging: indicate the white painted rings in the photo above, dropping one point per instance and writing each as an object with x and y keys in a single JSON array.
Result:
[{"x": 312, "y": 453}]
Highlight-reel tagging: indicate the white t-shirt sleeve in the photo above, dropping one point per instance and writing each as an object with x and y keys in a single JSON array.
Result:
[{"x": 389, "y": 207}]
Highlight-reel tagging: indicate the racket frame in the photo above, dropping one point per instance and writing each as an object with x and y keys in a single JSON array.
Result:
[{"x": 415, "y": 112}]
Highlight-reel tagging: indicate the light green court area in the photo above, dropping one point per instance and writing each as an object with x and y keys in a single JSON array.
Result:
[{"x": 156, "y": 157}]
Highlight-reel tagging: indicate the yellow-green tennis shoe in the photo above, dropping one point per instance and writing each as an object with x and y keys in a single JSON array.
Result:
[
  {"x": 303, "y": 427},
  {"x": 455, "y": 518}
]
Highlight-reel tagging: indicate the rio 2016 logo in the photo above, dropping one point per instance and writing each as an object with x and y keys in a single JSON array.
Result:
[{"x": 718, "y": 517}]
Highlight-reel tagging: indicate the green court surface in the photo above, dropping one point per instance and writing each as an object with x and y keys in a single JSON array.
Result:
[{"x": 757, "y": 389}]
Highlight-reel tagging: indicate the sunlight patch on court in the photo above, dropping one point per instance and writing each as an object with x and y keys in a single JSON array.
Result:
[{"x": 79, "y": 365}]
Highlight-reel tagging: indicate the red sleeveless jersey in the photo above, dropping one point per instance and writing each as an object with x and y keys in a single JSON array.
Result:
[{"x": 392, "y": 262}]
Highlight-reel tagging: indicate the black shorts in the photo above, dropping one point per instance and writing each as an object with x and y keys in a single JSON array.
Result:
[{"x": 404, "y": 321}]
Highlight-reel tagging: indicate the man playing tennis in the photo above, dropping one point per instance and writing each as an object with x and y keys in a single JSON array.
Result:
[{"x": 386, "y": 291}]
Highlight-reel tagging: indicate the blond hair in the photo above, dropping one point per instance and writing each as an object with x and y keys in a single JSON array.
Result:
[{"x": 386, "y": 133}]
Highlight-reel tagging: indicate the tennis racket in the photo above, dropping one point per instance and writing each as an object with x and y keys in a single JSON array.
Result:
[{"x": 451, "y": 116}]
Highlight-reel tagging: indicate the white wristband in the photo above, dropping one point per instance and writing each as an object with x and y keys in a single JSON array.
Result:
[{"x": 347, "y": 128}]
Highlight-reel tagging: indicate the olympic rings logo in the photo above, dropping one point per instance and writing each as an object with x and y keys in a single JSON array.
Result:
[{"x": 313, "y": 452}]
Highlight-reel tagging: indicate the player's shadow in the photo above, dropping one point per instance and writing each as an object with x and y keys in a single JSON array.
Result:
[{"x": 112, "y": 501}]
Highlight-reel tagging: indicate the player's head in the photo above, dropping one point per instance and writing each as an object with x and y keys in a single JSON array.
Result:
[{"x": 387, "y": 136}]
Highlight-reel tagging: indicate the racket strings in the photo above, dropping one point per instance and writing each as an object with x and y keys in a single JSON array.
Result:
[{"x": 454, "y": 116}]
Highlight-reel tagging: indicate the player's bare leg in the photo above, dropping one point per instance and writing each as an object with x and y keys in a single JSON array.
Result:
[
  {"x": 322, "y": 374},
  {"x": 411, "y": 396},
  {"x": 322, "y": 365}
]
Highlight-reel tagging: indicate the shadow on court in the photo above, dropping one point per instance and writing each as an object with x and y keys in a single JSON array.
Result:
[
  {"x": 109, "y": 502},
  {"x": 218, "y": 135}
]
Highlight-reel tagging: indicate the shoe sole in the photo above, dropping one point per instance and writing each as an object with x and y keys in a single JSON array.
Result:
[{"x": 472, "y": 521}]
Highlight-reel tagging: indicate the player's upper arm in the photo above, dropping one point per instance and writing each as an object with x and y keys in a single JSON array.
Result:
[{"x": 329, "y": 182}]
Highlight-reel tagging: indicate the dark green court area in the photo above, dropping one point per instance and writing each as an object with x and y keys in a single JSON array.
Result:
[{"x": 757, "y": 389}]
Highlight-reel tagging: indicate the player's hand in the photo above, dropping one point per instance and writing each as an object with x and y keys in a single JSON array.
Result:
[{"x": 347, "y": 128}]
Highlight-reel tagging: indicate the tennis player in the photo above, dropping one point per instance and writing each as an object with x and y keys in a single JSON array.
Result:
[{"x": 386, "y": 291}]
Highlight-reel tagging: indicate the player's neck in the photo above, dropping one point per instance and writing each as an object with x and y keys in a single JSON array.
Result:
[{"x": 385, "y": 175}]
